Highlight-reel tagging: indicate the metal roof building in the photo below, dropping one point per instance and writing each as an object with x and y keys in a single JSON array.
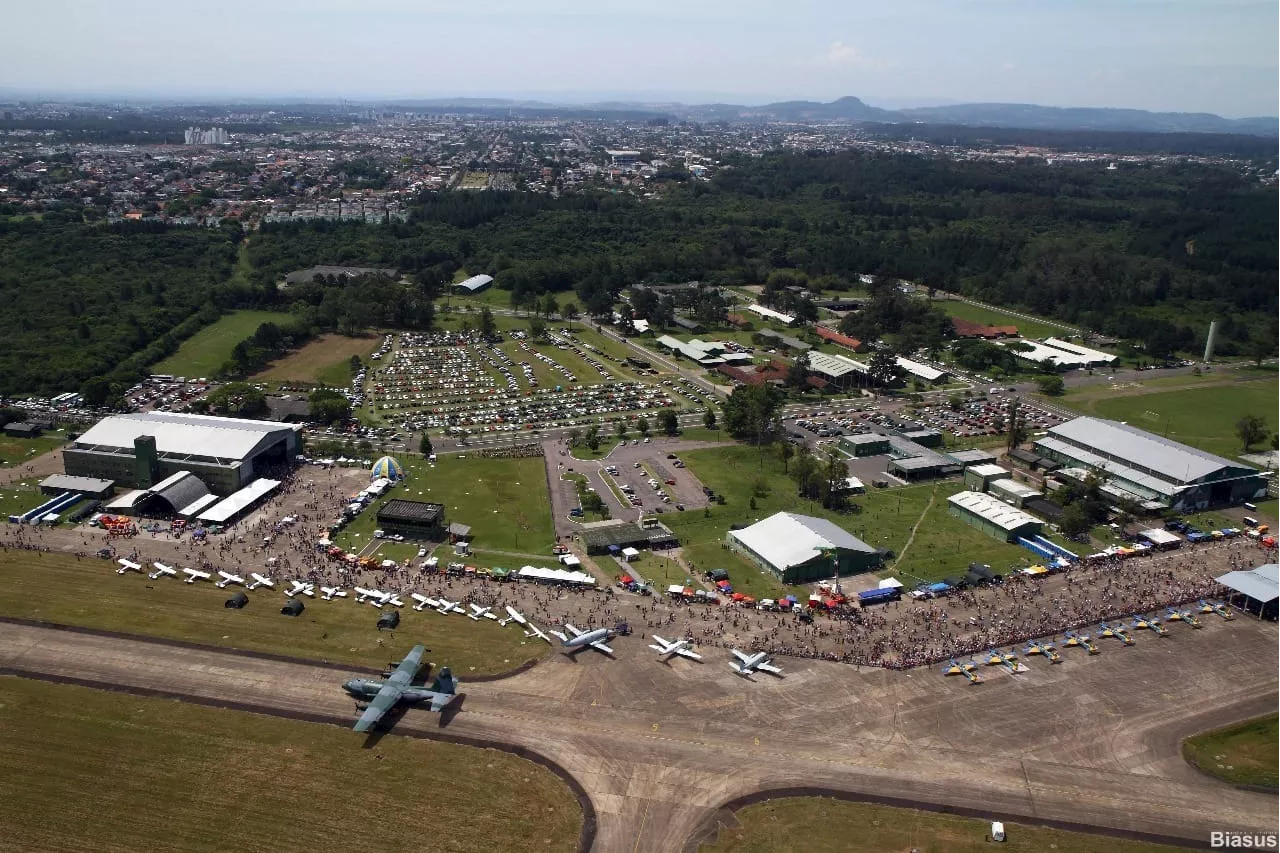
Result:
[
  {"x": 475, "y": 284},
  {"x": 1256, "y": 591},
  {"x": 59, "y": 483},
  {"x": 993, "y": 516},
  {"x": 139, "y": 450},
  {"x": 1151, "y": 467},
  {"x": 791, "y": 546}
]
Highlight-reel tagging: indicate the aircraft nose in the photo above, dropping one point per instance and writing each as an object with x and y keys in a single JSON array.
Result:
[{"x": 350, "y": 686}]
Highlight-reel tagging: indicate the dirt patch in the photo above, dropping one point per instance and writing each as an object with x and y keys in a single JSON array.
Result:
[{"x": 317, "y": 358}]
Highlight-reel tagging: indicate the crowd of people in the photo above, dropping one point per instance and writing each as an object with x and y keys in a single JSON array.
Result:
[{"x": 280, "y": 537}]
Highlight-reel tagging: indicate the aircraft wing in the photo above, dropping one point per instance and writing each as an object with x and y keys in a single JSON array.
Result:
[
  {"x": 381, "y": 704},
  {"x": 408, "y": 667},
  {"x": 686, "y": 653},
  {"x": 740, "y": 656},
  {"x": 572, "y": 630},
  {"x": 768, "y": 667},
  {"x": 599, "y": 644},
  {"x": 440, "y": 700}
]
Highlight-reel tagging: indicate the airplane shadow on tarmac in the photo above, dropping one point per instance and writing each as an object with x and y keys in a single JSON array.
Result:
[{"x": 388, "y": 722}]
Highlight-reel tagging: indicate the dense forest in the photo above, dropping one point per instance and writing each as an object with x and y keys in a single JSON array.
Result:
[
  {"x": 82, "y": 301},
  {"x": 1145, "y": 252}
]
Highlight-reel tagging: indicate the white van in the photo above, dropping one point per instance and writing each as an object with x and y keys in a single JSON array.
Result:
[{"x": 997, "y": 831}]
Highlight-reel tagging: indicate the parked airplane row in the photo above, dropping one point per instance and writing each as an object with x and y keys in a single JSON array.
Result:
[{"x": 1076, "y": 640}]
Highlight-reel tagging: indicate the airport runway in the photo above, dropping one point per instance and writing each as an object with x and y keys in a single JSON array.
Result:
[{"x": 660, "y": 748}]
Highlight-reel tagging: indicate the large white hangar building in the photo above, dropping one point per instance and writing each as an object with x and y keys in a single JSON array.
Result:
[{"x": 145, "y": 449}]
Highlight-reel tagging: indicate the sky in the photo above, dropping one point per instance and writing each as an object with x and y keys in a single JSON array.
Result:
[{"x": 1217, "y": 56}]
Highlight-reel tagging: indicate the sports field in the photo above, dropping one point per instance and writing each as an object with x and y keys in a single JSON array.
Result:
[
  {"x": 942, "y": 545},
  {"x": 1203, "y": 417},
  {"x": 326, "y": 360},
  {"x": 818, "y": 825},
  {"x": 978, "y": 314},
  {"x": 1243, "y": 754},
  {"x": 88, "y": 593},
  {"x": 208, "y": 349},
  {"x": 83, "y": 769},
  {"x": 505, "y": 501}
]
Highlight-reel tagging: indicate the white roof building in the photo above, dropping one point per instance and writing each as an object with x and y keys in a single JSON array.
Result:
[
  {"x": 770, "y": 314},
  {"x": 792, "y": 546},
  {"x": 184, "y": 435},
  {"x": 993, "y": 513}
]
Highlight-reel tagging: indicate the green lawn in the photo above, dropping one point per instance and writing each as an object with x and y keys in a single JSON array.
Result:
[
  {"x": 658, "y": 571},
  {"x": 820, "y": 825},
  {"x": 58, "y": 588},
  {"x": 1201, "y": 417},
  {"x": 504, "y": 500},
  {"x": 210, "y": 348},
  {"x": 885, "y": 518},
  {"x": 17, "y": 450},
  {"x": 1243, "y": 754},
  {"x": 978, "y": 314},
  {"x": 18, "y": 497},
  {"x": 84, "y": 769}
]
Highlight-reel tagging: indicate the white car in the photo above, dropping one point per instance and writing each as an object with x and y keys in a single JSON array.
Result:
[{"x": 422, "y": 552}]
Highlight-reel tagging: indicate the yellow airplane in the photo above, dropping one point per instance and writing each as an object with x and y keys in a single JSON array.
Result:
[
  {"x": 1081, "y": 641},
  {"x": 1151, "y": 624},
  {"x": 1005, "y": 659},
  {"x": 1105, "y": 630},
  {"x": 1183, "y": 616},
  {"x": 966, "y": 669},
  {"x": 1215, "y": 607},
  {"x": 1038, "y": 648}
]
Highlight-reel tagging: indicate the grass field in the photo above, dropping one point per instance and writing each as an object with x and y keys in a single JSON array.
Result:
[
  {"x": 1203, "y": 417},
  {"x": 1243, "y": 754},
  {"x": 504, "y": 500},
  {"x": 818, "y": 825},
  {"x": 17, "y": 450},
  {"x": 83, "y": 769},
  {"x": 88, "y": 593},
  {"x": 978, "y": 314},
  {"x": 326, "y": 360},
  {"x": 208, "y": 349},
  {"x": 942, "y": 546}
]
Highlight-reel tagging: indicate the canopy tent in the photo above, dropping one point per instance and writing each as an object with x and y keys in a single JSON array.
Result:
[
  {"x": 388, "y": 469},
  {"x": 556, "y": 575}
]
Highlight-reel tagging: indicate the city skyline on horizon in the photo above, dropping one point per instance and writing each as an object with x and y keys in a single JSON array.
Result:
[{"x": 1213, "y": 56}]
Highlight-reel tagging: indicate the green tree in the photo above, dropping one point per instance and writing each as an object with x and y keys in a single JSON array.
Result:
[
  {"x": 668, "y": 422},
  {"x": 328, "y": 407},
  {"x": 550, "y": 305},
  {"x": 424, "y": 445},
  {"x": 487, "y": 327},
  {"x": 237, "y": 400},
  {"x": 750, "y": 412},
  {"x": 709, "y": 418},
  {"x": 798, "y": 373},
  {"x": 1251, "y": 429},
  {"x": 883, "y": 369},
  {"x": 537, "y": 327},
  {"x": 1016, "y": 427},
  {"x": 642, "y": 427},
  {"x": 592, "y": 438},
  {"x": 1052, "y": 386},
  {"x": 1075, "y": 521},
  {"x": 591, "y": 502},
  {"x": 785, "y": 452},
  {"x": 95, "y": 391},
  {"x": 570, "y": 313},
  {"x": 622, "y": 430}
]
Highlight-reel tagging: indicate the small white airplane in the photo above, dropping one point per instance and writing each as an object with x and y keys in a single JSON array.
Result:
[
  {"x": 162, "y": 571},
  {"x": 364, "y": 594},
  {"x": 751, "y": 663},
  {"x": 581, "y": 639},
  {"x": 449, "y": 607},
  {"x": 513, "y": 615},
  {"x": 676, "y": 647},
  {"x": 128, "y": 566},
  {"x": 477, "y": 613},
  {"x": 260, "y": 580},
  {"x": 535, "y": 631},
  {"x": 332, "y": 592},
  {"x": 228, "y": 578},
  {"x": 392, "y": 598},
  {"x": 300, "y": 588},
  {"x": 194, "y": 575},
  {"x": 423, "y": 601}
]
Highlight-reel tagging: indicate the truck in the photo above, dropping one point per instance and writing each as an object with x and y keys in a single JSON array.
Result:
[{"x": 879, "y": 596}]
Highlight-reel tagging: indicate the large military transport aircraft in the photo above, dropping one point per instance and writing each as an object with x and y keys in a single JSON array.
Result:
[{"x": 375, "y": 698}]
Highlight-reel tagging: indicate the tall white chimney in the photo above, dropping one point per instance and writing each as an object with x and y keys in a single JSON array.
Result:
[{"x": 1210, "y": 341}]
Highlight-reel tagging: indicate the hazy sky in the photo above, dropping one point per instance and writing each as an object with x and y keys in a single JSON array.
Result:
[{"x": 1186, "y": 55}]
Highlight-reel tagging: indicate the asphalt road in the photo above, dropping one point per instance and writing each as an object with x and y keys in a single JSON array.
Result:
[{"x": 660, "y": 747}]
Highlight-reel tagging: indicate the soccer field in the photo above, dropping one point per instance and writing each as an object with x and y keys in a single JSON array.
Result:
[
  {"x": 210, "y": 348},
  {"x": 88, "y": 593},
  {"x": 83, "y": 769}
]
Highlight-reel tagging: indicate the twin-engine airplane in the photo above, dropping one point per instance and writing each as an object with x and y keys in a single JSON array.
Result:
[
  {"x": 581, "y": 639},
  {"x": 748, "y": 664},
  {"x": 665, "y": 648}
]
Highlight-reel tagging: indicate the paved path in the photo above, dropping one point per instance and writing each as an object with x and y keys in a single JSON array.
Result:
[{"x": 659, "y": 747}]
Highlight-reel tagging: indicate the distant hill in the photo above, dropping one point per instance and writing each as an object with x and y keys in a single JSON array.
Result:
[{"x": 1035, "y": 117}]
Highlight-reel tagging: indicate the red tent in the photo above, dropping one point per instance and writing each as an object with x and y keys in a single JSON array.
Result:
[
  {"x": 625, "y": 579},
  {"x": 737, "y": 596}
]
